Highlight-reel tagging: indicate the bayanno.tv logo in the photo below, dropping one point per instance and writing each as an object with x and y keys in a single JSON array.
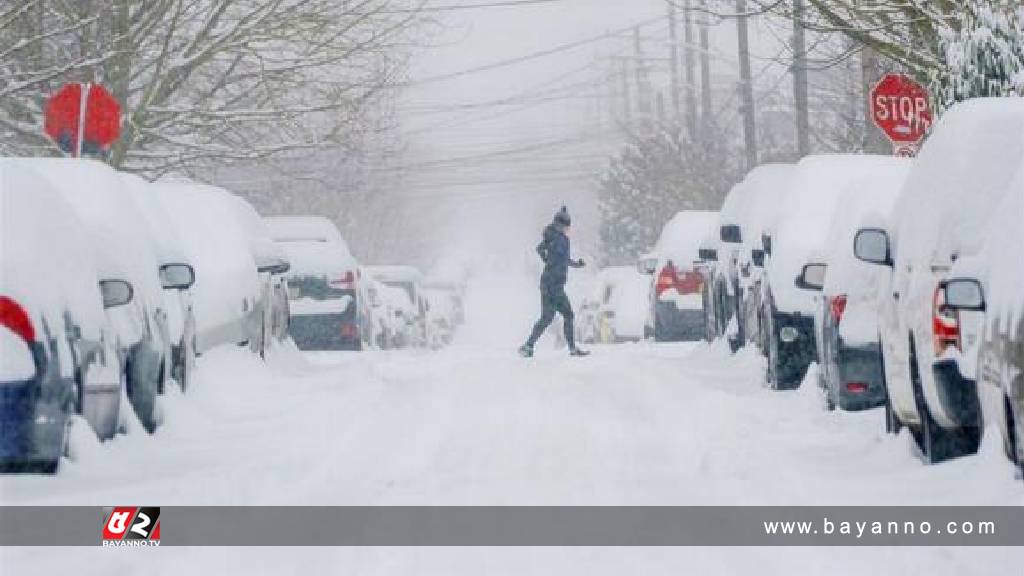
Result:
[{"x": 131, "y": 526}]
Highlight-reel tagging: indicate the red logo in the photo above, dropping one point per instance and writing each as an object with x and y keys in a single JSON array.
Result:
[{"x": 132, "y": 526}]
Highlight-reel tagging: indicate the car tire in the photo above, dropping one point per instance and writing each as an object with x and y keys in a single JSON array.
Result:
[
  {"x": 936, "y": 443},
  {"x": 1012, "y": 445}
]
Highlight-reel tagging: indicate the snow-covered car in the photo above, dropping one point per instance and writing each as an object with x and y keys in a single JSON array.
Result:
[
  {"x": 996, "y": 291},
  {"x": 322, "y": 283},
  {"x": 57, "y": 353},
  {"x": 409, "y": 279},
  {"x": 787, "y": 309},
  {"x": 440, "y": 316},
  {"x": 846, "y": 319},
  {"x": 674, "y": 304},
  {"x": 227, "y": 287},
  {"x": 125, "y": 251},
  {"x": 376, "y": 321},
  {"x": 272, "y": 309},
  {"x": 749, "y": 214},
  {"x": 620, "y": 302},
  {"x": 455, "y": 292},
  {"x": 401, "y": 315},
  {"x": 176, "y": 278},
  {"x": 955, "y": 186}
]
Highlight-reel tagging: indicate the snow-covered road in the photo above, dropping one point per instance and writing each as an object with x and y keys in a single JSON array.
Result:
[{"x": 684, "y": 424}]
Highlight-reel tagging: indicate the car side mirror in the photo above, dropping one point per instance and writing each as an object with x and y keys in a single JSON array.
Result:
[
  {"x": 708, "y": 255},
  {"x": 872, "y": 246},
  {"x": 177, "y": 276},
  {"x": 757, "y": 257},
  {"x": 730, "y": 233},
  {"x": 115, "y": 293},
  {"x": 647, "y": 266},
  {"x": 812, "y": 277},
  {"x": 964, "y": 294}
]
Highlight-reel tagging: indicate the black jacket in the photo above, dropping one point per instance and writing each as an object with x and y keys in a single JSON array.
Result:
[{"x": 554, "y": 251}]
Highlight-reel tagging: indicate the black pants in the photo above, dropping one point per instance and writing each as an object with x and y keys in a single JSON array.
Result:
[{"x": 553, "y": 299}]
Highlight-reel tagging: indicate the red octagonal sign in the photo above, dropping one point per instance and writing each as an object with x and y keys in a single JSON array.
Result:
[
  {"x": 900, "y": 107},
  {"x": 64, "y": 113}
]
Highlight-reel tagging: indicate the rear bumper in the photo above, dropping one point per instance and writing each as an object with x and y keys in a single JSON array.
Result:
[
  {"x": 860, "y": 364},
  {"x": 324, "y": 332},
  {"x": 32, "y": 421},
  {"x": 958, "y": 395},
  {"x": 672, "y": 324}
]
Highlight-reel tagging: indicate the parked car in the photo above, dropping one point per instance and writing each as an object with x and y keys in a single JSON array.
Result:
[
  {"x": 125, "y": 251},
  {"x": 617, "y": 305},
  {"x": 226, "y": 290},
  {"x": 994, "y": 295},
  {"x": 845, "y": 318},
  {"x": 176, "y": 279},
  {"x": 763, "y": 194},
  {"x": 410, "y": 280},
  {"x": 322, "y": 284},
  {"x": 455, "y": 292},
  {"x": 272, "y": 309},
  {"x": 955, "y": 186},
  {"x": 787, "y": 308},
  {"x": 402, "y": 316},
  {"x": 57, "y": 353},
  {"x": 440, "y": 317},
  {"x": 674, "y": 305}
]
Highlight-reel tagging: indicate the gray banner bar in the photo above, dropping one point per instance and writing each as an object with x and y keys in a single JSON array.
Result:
[{"x": 534, "y": 526}]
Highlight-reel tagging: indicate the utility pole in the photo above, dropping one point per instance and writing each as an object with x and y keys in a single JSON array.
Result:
[
  {"x": 705, "y": 73},
  {"x": 688, "y": 64},
  {"x": 800, "y": 100},
  {"x": 746, "y": 86},
  {"x": 627, "y": 112},
  {"x": 643, "y": 85},
  {"x": 674, "y": 61}
]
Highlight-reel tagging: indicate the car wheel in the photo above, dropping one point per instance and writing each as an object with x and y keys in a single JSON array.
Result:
[{"x": 928, "y": 434}]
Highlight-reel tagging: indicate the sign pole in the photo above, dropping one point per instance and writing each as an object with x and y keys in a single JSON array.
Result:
[{"x": 83, "y": 104}]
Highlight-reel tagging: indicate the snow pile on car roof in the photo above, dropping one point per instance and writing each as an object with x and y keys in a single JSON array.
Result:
[
  {"x": 681, "y": 237},
  {"x": 806, "y": 218},
  {"x": 967, "y": 162},
  {"x": 217, "y": 247},
  {"x": 765, "y": 190},
  {"x": 46, "y": 264},
  {"x": 313, "y": 245},
  {"x": 868, "y": 197}
]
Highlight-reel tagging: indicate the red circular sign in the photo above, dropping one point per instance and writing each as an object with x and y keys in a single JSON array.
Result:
[
  {"x": 900, "y": 107},
  {"x": 102, "y": 117}
]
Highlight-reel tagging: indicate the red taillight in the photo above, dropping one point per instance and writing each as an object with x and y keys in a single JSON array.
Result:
[
  {"x": 691, "y": 283},
  {"x": 666, "y": 279},
  {"x": 345, "y": 282},
  {"x": 349, "y": 330},
  {"x": 14, "y": 317},
  {"x": 945, "y": 324},
  {"x": 856, "y": 387},
  {"x": 838, "y": 305}
]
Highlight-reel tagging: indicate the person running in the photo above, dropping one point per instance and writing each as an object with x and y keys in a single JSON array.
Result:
[{"x": 554, "y": 251}]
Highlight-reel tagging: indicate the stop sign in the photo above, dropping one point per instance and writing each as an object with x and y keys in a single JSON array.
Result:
[
  {"x": 102, "y": 118},
  {"x": 900, "y": 107}
]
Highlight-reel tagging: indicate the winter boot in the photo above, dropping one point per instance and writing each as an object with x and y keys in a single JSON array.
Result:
[
  {"x": 526, "y": 351},
  {"x": 578, "y": 352}
]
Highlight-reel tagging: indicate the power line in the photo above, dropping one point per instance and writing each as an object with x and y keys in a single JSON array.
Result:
[
  {"x": 455, "y": 7},
  {"x": 527, "y": 57}
]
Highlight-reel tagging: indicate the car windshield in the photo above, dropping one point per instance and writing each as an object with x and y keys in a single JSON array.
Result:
[
  {"x": 315, "y": 287},
  {"x": 408, "y": 287}
]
